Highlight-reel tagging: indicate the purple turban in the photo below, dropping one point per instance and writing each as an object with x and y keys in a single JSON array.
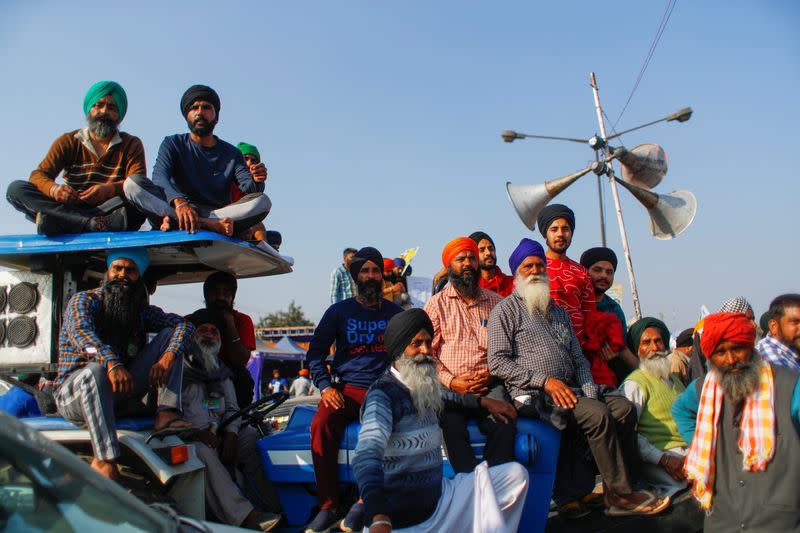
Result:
[{"x": 525, "y": 248}]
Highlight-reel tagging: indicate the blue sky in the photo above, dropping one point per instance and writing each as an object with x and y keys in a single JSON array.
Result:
[{"x": 379, "y": 123}]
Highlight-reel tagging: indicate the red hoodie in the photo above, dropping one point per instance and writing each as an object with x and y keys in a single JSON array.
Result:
[{"x": 500, "y": 283}]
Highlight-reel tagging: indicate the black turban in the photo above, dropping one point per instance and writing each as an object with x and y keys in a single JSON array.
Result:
[
  {"x": 368, "y": 253},
  {"x": 593, "y": 255},
  {"x": 478, "y": 236},
  {"x": 199, "y": 92},
  {"x": 637, "y": 329},
  {"x": 220, "y": 278},
  {"x": 208, "y": 316},
  {"x": 685, "y": 338},
  {"x": 402, "y": 328},
  {"x": 553, "y": 212},
  {"x": 274, "y": 237}
]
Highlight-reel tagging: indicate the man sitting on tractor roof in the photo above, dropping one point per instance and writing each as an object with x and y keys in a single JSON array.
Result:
[
  {"x": 95, "y": 161},
  {"x": 104, "y": 357}
]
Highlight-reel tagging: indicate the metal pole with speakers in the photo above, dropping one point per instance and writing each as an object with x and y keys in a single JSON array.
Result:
[{"x": 643, "y": 167}]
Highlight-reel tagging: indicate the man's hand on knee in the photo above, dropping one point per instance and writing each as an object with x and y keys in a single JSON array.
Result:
[
  {"x": 561, "y": 394},
  {"x": 159, "y": 372},
  {"x": 333, "y": 399},
  {"x": 121, "y": 380},
  {"x": 502, "y": 411}
]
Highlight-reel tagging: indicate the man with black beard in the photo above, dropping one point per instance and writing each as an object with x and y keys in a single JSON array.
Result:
[
  {"x": 194, "y": 174},
  {"x": 534, "y": 349},
  {"x": 104, "y": 356},
  {"x": 208, "y": 399},
  {"x": 238, "y": 333},
  {"x": 459, "y": 315},
  {"x": 398, "y": 460},
  {"x": 95, "y": 161},
  {"x": 652, "y": 389},
  {"x": 745, "y": 437},
  {"x": 492, "y": 277},
  {"x": 356, "y": 326}
]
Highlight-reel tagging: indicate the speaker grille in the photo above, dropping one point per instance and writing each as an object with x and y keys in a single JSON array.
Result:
[
  {"x": 3, "y": 299},
  {"x": 2, "y": 332},
  {"x": 22, "y": 297},
  {"x": 21, "y": 331}
]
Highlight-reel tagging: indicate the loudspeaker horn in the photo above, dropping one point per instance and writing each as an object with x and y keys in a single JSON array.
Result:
[
  {"x": 670, "y": 214},
  {"x": 529, "y": 200},
  {"x": 644, "y": 165}
]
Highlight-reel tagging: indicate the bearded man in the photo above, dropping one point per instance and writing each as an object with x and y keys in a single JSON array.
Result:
[
  {"x": 398, "y": 459},
  {"x": 652, "y": 389},
  {"x": 356, "y": 326},
  {"x": 104, "y": 357},
  {"x": 194, "y": 174},
  {"x": 95, "y": 161},
  {"x": 492, "y": 277},
  {"x": 782, "y": 345},
  {"x": 745, "y": 438},
  {"x": 208, "y": 399},
  {"x": 697, "y": 361},
  {"x": 533, "y": 348},
  {"x": 459, "y": 315}
]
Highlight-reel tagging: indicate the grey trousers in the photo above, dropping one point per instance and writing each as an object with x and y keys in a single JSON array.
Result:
[
  {"x": 150, "y": 199},
  {"x": 86, "y": 398},
  {"x": 223, "y": 496}
]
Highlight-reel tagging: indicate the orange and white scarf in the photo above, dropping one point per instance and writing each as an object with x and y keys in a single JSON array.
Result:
[{"x": 756, "y": 438}]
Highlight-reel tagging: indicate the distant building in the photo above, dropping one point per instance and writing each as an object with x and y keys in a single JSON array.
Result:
[{"x": 299, "y": 334}]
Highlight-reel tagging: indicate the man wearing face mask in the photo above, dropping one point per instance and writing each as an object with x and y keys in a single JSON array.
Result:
[
  {"x": 95, "y": 162},
  {"x": 237, "y": 330},
  {"x": 194, "y": 173}
]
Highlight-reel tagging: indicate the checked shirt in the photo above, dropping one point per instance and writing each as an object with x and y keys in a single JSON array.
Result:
[{"x": 778, "y": 353}]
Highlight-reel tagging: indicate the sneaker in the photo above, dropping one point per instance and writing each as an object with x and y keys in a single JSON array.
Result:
[
  {"x": 323, "y": 522},
  {"x": 354, "y": 521},
  {"x": 45, "y": 225},
  {"x": 268, "y": 521},
  {"x": 117, "y": 220}
]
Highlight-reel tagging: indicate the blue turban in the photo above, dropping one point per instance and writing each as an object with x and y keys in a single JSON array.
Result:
[
  {"x": 525, "y": 248},
  {"x": 399, "y": 262},
  {"x": 137, "y": 255},
  {"x": 105, "y": 88}
]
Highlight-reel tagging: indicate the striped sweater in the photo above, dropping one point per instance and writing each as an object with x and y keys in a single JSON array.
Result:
[
  {"x": 398, "y": 459},
  {"x": 74, "y": 154}
]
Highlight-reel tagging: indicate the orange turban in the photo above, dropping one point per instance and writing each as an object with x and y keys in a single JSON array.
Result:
[
  {"x": 303, "y": 372},
  {"x": 730, "y": 327},
  {"x": 455, "y": 247}
]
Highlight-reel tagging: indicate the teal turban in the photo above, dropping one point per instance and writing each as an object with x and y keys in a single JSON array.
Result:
[
  {"x": 637, "y": 329},
  {"x": 249, "y": 149},
  {"x": 139, "y": 256},
  {"x": 104, "y": 88}
]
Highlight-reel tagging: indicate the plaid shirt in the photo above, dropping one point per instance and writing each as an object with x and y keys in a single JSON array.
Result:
[
  {"x": 79, "y": 343},
  {"x": 777, "y": 353},
  {"x": 342, "y": 285},
  {"x": 525, "y": 350},
  {"x": 459, "y": 332}
]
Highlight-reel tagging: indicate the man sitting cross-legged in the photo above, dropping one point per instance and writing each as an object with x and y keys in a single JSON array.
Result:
[
  {"x": 652, "y": 389},
  {"x": 208, "y": 399},
  {"x": 104, "y": 356},
  {"x": 193, "y": 175},
  {"x": 398, "y": 460},
  {"x": 533, "y": 348}
]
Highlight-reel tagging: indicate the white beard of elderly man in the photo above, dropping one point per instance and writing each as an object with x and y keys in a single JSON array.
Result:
[
  {"x": 653, "y": 388},
  {"x": 534, "y": 350}
]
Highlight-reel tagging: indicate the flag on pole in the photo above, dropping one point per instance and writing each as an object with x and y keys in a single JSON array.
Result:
[{"x": 407, "y": 256}]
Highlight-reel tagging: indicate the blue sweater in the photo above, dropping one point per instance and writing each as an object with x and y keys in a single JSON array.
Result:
[
  {"x": 398, "y": 459},
  {"x": 360, "y": 357},
  {"x": 185, "y": 169}
]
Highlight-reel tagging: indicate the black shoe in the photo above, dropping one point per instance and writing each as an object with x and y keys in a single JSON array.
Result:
[
  {"x": 323, "y": 522},
  {"x": 354, "y": 521},
  {"x": 117, "y": 220},
  {"x": 45, "y": 225}
]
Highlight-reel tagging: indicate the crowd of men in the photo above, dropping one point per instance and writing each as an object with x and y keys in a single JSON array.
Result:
[
  {"x": 198, "y": 182},
  {"x": 718, "y": 413}
]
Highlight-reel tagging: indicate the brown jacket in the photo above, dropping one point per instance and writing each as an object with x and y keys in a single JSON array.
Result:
[{"x": 73, "y": 154}]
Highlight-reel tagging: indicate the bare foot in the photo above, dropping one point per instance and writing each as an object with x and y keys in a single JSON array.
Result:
[
  {"x": 169, "y": 418},
  {"x": 259, "y": 233},
  {"x": 223, "y": 226},
  {"x": 106, "y": 468},
  {"x": 166, "y": 224}
]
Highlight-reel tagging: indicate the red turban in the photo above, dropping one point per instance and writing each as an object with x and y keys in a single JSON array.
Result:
[
  {"x": 730, "y": 327},
  {"x": 303, "y": 372},
  {"x": 455, "y": 247},
  {"x": 388, "y": 264}
]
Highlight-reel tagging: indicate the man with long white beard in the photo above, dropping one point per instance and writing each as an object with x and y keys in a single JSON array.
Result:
[
  {"x": 459, "y": 315},
  {"x": 652, "y": 388},
  {"x": 104, "y": 357},
  {"x": 208, "y": 399},
  {"x": 746, "y": 435},
  {"x": 398, "y": 460},
  {"x": 533, "y": 348}
]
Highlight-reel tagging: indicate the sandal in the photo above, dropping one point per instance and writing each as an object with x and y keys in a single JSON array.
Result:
[
  {"x": 573, "y": 510},
  {"x": 615, "y": 510}
]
